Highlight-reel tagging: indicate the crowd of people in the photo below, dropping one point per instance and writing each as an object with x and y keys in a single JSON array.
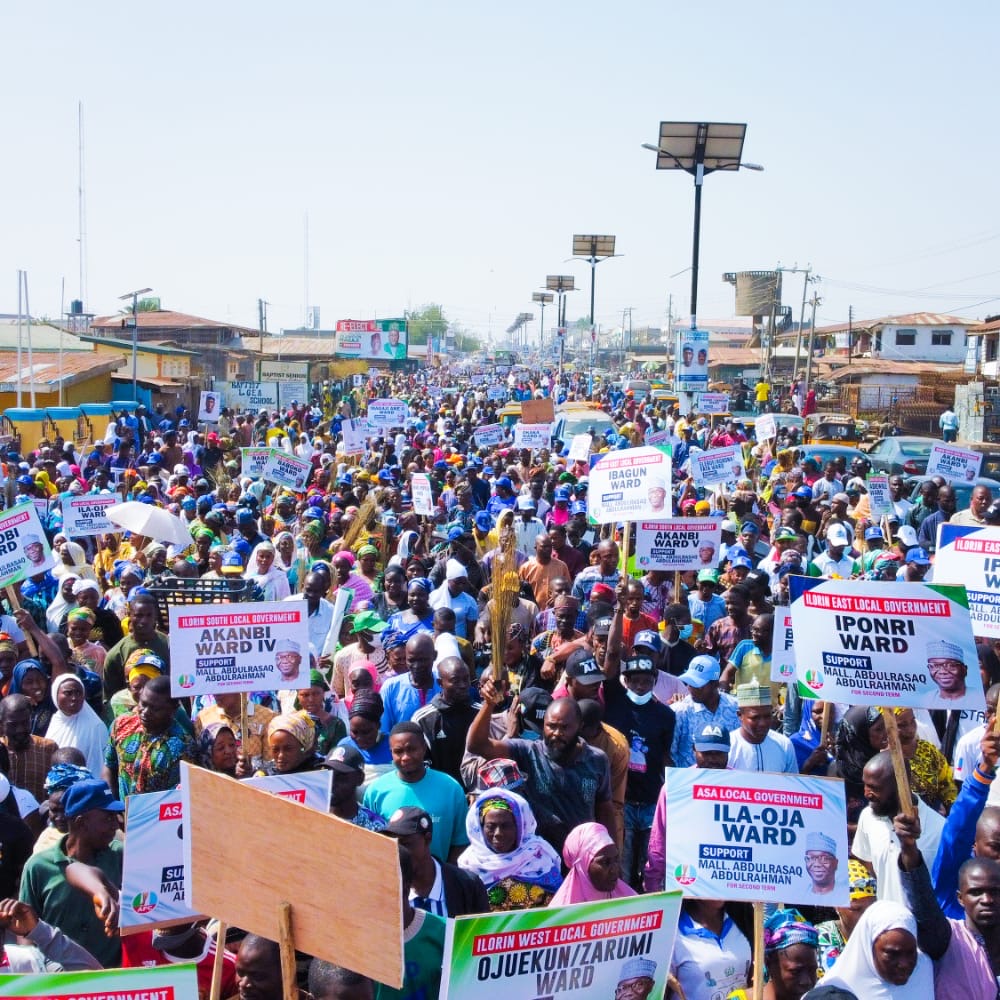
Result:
[{"x": 517, "y": 766}]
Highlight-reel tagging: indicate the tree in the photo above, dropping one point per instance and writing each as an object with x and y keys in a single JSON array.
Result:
[
  {"x": 426, "y": 323},
  {"x": 143, "y": 306}
]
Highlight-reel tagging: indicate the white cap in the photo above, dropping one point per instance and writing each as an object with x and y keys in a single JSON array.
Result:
[
  {"x": 907, "y": 534},
  {"x": 454, "y": 570},
  {"x": 836, "y": 534},
  {"x": 526, "y": 503}
]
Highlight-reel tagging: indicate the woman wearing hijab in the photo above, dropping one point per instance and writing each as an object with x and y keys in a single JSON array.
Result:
[
  {"x": 284, "y": 557},
  {"x": 881, "y": 960},
  {"x": 62, "y": 603},
  {"x": 345, "y": 575},
  {"x": 811, "y": 756},
  {"x": 519, "y": 869},
  {"x": 330, "y": 727},
  {"x": 31, "y": 680},
  {"x": 860, "y": 736},
  {"x": 90, "y": 655},
  {"x": 76, "y": 724},
  {"x": 789, "y": 958},
  {"x": 271, "y": 579},
  {"x": 366, "y": 736},
  {"x": 217, "y": 749},
  {"x": 594, "y": 866},
  {"x": 419, "y": 615},
  {"x": 834, "y": 934},
  {"x": 292, "y": 741},
  {"x": 73, "y": 561}
]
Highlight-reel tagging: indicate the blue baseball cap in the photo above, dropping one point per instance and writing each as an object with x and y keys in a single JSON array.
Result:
[
  {"x": 505, "y": 481},
  {"x": 918, "y": 556},
  {"x": 88, "y": 794},
  {"x": 483, "y": 521},
  {"x": 701, "y": 670},
  {"x": 873, "y": 532},
  {"x": 579, "y": 507},
  {"x": 562, "y": 493},
  {"x": 454, "y": 534},
  {"x": 648, "y": 639}
]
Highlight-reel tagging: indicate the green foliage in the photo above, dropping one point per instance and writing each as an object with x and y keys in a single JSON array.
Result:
[{"x": 425, "y": 323}]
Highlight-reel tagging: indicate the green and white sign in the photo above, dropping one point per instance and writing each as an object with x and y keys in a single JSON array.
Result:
[
  {"x": 164, "y": 982},
  {"x": 588, "y": 949}
]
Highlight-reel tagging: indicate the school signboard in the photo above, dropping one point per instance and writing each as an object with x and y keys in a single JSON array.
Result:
[
  {"x": 757, "y": 835},
  {"x": 876, "y": 643},
  {"x": 587, "y": 949}
]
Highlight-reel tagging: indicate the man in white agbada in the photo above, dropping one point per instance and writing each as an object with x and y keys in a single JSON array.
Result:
[{"x": 755, "y": 746}]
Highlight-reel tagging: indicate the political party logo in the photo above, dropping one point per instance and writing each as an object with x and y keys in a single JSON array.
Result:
[
  {"x": 686, "y": 874},
  {"x": 814, "y": 678},
  {"x": 788, "y": 670},
  {"x": 144, "y": 902},
  {"x": 186, "y": 681}
]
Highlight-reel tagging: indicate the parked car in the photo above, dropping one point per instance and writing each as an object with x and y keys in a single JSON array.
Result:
[
  {"x": 963, "y": 490},
  {"x": 901, "y": 455},
  {"x": 991, "y": 456},
  {"x": 573, "y": 419},
  {"x": 824, "y": 453}
]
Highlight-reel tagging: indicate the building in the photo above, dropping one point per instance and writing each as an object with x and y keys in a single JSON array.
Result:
[{"x": 930, "y": 337}]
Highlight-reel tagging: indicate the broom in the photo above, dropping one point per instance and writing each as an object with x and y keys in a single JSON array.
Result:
[{"x": 506, "y": 588}]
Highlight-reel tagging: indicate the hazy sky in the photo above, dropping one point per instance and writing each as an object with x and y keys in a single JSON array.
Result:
[{"x": 447, "y": 152}]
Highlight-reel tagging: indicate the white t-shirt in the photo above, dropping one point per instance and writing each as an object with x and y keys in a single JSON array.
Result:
[
  {"x": 876, "y": 843},
  {"x": 709, "y": 966},
  {"x": 775, "y": 753}
]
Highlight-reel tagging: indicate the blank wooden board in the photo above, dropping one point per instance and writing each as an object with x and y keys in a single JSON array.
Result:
[
  {"x": 538, "y": 411},
  {"x": 247, "y": 851}
]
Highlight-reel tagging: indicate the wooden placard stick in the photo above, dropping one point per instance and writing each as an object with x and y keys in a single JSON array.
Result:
[
  {"x": 677, "y": 587},
  {"x": 219, "y": 962},
  {"x": 825, "y": 725},
  {"x": 626, "y": 545},
  {"x": 243, "y": 722},
  {"x": 286, "y": 945},
  {"x": 899, "y": 764},
  {"x": 758, "y": 951}
]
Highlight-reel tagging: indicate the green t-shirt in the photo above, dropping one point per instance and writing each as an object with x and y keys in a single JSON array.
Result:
[{"x": 423, "y": 953}]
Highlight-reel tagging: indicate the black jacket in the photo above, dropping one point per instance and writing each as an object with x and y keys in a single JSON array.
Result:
[{"x": 463, "y": 892}]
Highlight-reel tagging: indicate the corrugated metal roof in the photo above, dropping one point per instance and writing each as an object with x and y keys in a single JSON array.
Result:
[
  {"x": 166, "y": 319},
  {"x": 908, "y": 319},
  {"x": 75, "y": 366}
]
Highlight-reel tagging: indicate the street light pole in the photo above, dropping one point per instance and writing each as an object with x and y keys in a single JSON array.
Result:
[{"x": 134, "y": 296}]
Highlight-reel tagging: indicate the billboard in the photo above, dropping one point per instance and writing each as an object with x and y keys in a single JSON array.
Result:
[
  {"x": 372, "y": 339},
  {"x": 691, "y": 361}
]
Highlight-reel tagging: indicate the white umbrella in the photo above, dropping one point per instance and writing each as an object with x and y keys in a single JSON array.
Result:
[{"x": 151, "y": 522}]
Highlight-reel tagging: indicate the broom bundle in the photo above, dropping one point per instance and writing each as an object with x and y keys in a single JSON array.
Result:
[{"x": 506, "y": 589}]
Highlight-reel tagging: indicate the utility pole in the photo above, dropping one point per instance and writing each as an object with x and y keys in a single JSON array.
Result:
[
  {"x": 262, "y": 324},
  {"x": 814, "y": 302},
  {"x": 850, "y": 334}
]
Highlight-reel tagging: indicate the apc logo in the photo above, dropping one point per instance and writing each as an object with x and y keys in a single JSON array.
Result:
[
  {"x": 814, "y": 678},
  {"x": 186, "y": 681},
  {"x": 171, "y": 810},
  {"x": 144, "y": 902},
  {"x": 686, "y": 874}
]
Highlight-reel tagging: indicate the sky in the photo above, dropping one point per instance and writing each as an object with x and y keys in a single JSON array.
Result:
[{"x": 447, "y": 153}]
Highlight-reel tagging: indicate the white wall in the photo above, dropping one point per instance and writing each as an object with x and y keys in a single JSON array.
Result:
[{"x": 923, "y": 349}]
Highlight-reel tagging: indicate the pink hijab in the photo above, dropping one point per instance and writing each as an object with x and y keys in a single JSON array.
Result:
[{"x": 583, "y": 842}]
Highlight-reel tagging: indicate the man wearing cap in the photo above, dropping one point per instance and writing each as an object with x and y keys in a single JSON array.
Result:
[
  {"x": 92, "y": 816},
  {"x": 754, "y": 746},
  {"x": 636, "y": 980},
  {"x": 438, "y": 887},
  {"x": 527, "y": 525},
  {"x": 821, "y": 862},
  {"x": 836, "y": 561},
  {"x": 348, "y": 767},
  {"x": 540, "y": 570},
  {"x": 453, "y": 594},
  {"x": 503, "y": 498},
  {"x": 705, "y": 603},
  {"x": 947, "y": 667},
  {"x": 916, "y": 565},
  {"x": 567, "y": 782}
]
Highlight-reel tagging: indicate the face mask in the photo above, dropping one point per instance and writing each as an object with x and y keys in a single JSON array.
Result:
[
  {"x": 638, "y": 699},
  {"x": 684, "y": 632}
]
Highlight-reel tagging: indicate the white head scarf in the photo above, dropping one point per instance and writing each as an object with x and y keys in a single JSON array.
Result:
[
  {"x": 85, "y": 731},
  {"x": 854, "y": 969}
]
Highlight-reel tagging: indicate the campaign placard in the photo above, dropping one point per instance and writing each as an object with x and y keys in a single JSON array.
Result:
[
  {"x": 587, "y": 949},
  {"x": 387, "y": 414},
  {"x": 24, "y": 549},
  {"x": 681, "y": 544},
  {"x": 209, "y": 407},
  {"x": 488, "y": 436},
  {"x": 579, "y": 447},
  {"x": 879, "y": 499},
  {"x": 308, "y": 788},
  {"x": 663, "y": 439},
  {"x": 533, "y": 436},
  {"x": 87, "y": 515},
  {"x": 691, "y": 361},
  {"x": 153, "y": 891},
  {"x": 783, "y": 648},
  {"x": 263, "y": 646},
  {"x": 497, "y": 393},
  {"x": 712, "y": 403},
  {"x": 250, "y": 396},
  {"x": 757, "y": 836},
  {"x": 538, "y": 411},
  {"x": 953, "y": 463},
  {"x": 631, "y": 485},
  {"x": 876, "y": 643},
  {"x": 253, "y": 461},
  {"x": 356, "y": 434},
  {"x": 41, "y": 508},
  {"x": 720, "y": 465},
  {"x": 423, "y": 496},
  {"x": 164, "y": 982},
  {"x": 972, "y": 555},
  {"x": 765, "y": 427},
  {"x": 287, "y": 470}
]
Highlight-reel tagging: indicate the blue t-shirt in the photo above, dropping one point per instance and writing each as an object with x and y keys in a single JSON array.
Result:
[
  {"x": 707, "y": 611},
  {"x": 378, "y": 754}
]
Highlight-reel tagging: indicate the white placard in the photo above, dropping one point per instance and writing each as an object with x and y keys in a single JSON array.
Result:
[
  {"x": 757, "y": 835},
  {"x": 387, "y": 414},
  {"x": 579, "y": 449},
  {"x": 631, "y": 485},
  {"x": 680, "y": 544},
  {"x": 488, "y": 436},
  {"x": 954, "y": 464},
  {"x": 24, "y": 549},
  {"x": 878, "y": 643},
  {"x": 783, "y": 648},
  {"x": 309, "y": 788},
  {"x": 691, "y": 361},
  {"x": 253, "y": 461},
  {"x": 972, "y": 556},
  {"x": 497, "y": 393},
  {"x": 533, "y": 436},
  {"x": 287, "y": 470},
  {"x": 765, "y": 427},
  {"x": 356, "y": 434},
  {"x": 239, "y": 647},
  {"x": 87, "y": 515},
  {"x": 423, "y": 495},
  {"x": 209, "y": 407},
  {"x": 879, "y": 500},
  {"x": 713, "y": 403},
  {"x": 720, "y": 465}
]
